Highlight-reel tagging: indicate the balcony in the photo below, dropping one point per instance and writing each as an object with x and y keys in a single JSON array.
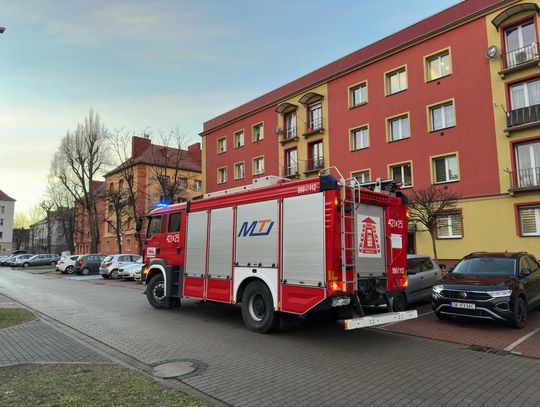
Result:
[
  {"x": 314, "y": 127},
  {"x": 289, "y": 135},
  {"x": 518, "y": 59},
  {"x": 524, "y": 180},
  {"x": 290, "y": 171},
  {"x": 522, "y": 118},
  {"x": 314, "y": 165}
]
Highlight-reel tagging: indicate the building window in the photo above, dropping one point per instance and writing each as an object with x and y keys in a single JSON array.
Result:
[
  {"x": 396, "y": 81},
  {"x": 222, "y": 175},
  {"x": 1, "y": 235},
  {"x": 525, "y": 94},
  {"x": 315, "y": 116},
  {"x": 128, "y": 245},
  {"x": 222, "y": 145},
  {"x": 182, "y": 183},
  {"x": 258, "y": 165},
  {"x": 442, "y": 116},
  {"x": 290, "y": 125},
  {"x": 358, "y": 94},
  {"x": 239, "y": 170},
  {"x": 529, "y": 217},
  {"x": 438, "y": 65},
  {"x": 359, "y": 138},
  {"x": 197, "y": 185},
  {"x": 398, "y": 127},
  {"x": 528, "y": 164},
  {"x": 2, "y": 209},
  {"x": 361, "y": 176},
  {"x": 239, "y": 139},
  {"x": 449, "y": 226},
  {"x": 258, "y": 132},
  {"x": 402, "y": 173},
  {"x": 291, "y": 162},
  {"x": 1, "y": 222},
  {"x": 316, "y": 157},
  {"x": 445, "y": 168},
  {"x": 520, "y": 44}
]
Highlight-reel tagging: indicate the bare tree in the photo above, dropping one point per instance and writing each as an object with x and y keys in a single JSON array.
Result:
[
  {"x": 427, "y": 204},
  {"x": 134, "y": 191},
  {"x": 81, "y": 157},
  {"x": 168, "y": 169},
  {"x": 47, "y": 207},
  {"x": 64, "y": 208},
  {"x": 118, "y": 214},
  {"x": 20, "y": 229}
]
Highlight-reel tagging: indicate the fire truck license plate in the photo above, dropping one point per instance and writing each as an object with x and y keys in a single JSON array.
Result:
[{"x": 464, "y": 305}]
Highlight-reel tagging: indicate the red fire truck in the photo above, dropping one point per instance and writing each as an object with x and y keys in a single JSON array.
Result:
[{"x": 280, "y": 246}]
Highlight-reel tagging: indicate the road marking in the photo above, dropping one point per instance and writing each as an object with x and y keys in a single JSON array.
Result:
[
  {"x": 522, "y": 339},
  {"x": 397, "y": 322}
]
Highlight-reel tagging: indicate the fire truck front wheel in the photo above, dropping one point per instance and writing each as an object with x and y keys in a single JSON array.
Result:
[
  {"x": 155, "y": 293},
  {"x": 258, "y": 308}
]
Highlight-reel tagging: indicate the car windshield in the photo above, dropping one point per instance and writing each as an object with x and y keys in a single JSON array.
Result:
[{"x": 499, "y": 266}]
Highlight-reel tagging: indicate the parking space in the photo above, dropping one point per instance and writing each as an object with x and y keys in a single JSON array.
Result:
[{"x": 480, "y": 333}]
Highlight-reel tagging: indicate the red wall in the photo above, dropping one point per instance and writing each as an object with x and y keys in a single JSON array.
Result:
[
  {"x": 473, "y": 135},
  {"x": 267, "y": 147}
]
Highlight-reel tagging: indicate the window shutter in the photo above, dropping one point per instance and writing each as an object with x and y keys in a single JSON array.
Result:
[
  {"x": 529, "y": 224},
  {"x": 440, "y": 170}
]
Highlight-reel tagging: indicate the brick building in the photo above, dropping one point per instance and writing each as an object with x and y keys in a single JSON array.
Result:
[{"x": 453, "y": 101}]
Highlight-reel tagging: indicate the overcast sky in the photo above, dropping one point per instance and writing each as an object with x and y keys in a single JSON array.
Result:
[{"x": 160, "y": 64}]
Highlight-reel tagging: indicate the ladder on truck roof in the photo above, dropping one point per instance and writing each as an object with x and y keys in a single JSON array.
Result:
[{"x": 257, "y": 183}]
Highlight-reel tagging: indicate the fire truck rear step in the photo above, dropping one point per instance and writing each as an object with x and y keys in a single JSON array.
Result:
[{"x": 378, "y": 319}]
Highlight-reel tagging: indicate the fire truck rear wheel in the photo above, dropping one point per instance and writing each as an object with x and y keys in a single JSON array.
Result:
[
  {"x": 155, "y": 293},
  {"x": 258, "y": 308}
]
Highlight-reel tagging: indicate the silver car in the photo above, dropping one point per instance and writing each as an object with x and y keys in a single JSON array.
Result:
[
  {"x": 20, "y": 260},
  {"x": 423, "y": 273},
  {"x": 111, "y": 265},
  {"x": 42, "y": 260}
]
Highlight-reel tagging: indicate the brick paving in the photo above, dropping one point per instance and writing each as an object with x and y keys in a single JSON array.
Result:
[{"x": 305, "y": 364}]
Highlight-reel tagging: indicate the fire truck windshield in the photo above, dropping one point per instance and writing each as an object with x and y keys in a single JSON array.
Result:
[{"x": 154, "y": 226}]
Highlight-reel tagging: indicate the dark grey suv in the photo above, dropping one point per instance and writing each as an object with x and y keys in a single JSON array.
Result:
[{"x": 497, "y": 286}]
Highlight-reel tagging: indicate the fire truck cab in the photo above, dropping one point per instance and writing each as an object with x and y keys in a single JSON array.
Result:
[{"x": 280, "y": 246}]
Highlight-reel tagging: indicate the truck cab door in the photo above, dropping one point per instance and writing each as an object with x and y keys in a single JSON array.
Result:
[{"x": 172, "y": 245}]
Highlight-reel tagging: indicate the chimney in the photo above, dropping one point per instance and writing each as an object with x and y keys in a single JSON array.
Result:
[
  {"x": 195, "y": 151},
  {"x": 139, "y": 145}
]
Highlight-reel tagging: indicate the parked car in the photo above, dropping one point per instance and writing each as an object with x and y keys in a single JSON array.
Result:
[
  {"x": 19, "y": 260},
  {"x": 88, "y": 263},
  {"x": 2, "y": 259},
  {"x": 423, "y": 273},
  {"x": 112, "y": 264},
  {"x": 496, "y": 286},
  {"x": 17, "y": 252},
  {"x": 128, "y": 271},
  {"x": 66, "y": 264},
  {"x": 7, "y": 260},
  {"x": 42, "y": 260}
]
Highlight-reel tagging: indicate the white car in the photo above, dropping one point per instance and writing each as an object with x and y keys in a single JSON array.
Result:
[
  {"x": 66, "y": 264},
  {"x": 128, "y": 271},
  {"x": 111, "y": 265}
]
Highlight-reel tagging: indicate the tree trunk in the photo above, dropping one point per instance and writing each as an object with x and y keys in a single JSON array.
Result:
[{"x": 433, "y": 244}]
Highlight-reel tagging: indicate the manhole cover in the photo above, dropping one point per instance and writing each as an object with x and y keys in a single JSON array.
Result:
[{"x": 174, "y": 369}]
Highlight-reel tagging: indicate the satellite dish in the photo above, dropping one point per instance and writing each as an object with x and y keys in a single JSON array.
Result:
[{"x": 491, "y": 51}]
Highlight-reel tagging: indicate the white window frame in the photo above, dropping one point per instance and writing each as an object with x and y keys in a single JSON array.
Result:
[
  {"x": 222, "y": 175},
  {"x": 402, "y": 82},
  {"x": 448, "y": 218},
  {"x": 446, "y": 168},
  {"x": 258, "y": 132},
  {"x": 258, "y": 170},
  {"x": 222, "y": 145},
  {"x": 315, "y": 123},
  {"x": 239, "y": 139},
  {"x": 438, "y": 58},
  {"x": 361, "y": 88},
  {"x": 402, "y": 170},
  {"x": 237, "y": 166},
  {"x": 525, "y": 93},
  {"x": 291, "y": 168},
  {"x": 400, "y": 135},
  {"x": 363, "y": 137},
  {"x": 445, "y": 120},
  {"x": 289, "y": 122},
  {"x": 197, "y": 185},
  {"x": 364, "y": 175},
  {"x": 536, "y": 209}
]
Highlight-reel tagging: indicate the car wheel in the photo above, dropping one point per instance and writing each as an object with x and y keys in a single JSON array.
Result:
[
  {"x": 258, "y": 308},
  {"x": 519, "y": 317},
  {"x": 85, "y": 271},
  {"x": 114, "y": 274},
  {"x": 69, "y": 270},
  {"x": 26, "y": 264},
  {"x": 155, "y": 292},
  {"x": 399, "y": 303}
]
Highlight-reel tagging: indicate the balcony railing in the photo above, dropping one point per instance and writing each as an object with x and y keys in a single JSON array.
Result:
[
  {"x": 525, "y": 179},
  {"x": 314, "y": 164},
  {"x": 523, "y": 116},
  {"x": 315, "y": 124},
  {"x": 289, "y": 135},
  {"x": 520, "y": 56},
  {"x": 291, "y": 170}
]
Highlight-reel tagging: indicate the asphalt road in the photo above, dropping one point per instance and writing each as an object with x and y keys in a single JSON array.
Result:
[{"x": 304, "y": 364}]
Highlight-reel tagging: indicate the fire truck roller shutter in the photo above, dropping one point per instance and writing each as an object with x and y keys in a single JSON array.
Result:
[
  {"x": 220, "y": 250},
  {"x": 196, "y": 244},
  {"x": 303, "y": 239},
  {"x": 371, "y": 241},
  {"x": 257, "y": 234}
]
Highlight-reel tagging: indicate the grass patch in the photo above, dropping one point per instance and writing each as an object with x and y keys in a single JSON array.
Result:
[
  {"x": 85, "y": 385},
  {"x": 14, "y": 316}
]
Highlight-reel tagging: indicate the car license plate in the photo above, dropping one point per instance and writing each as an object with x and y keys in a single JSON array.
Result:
[
  {"x": 339, "y": 302},
  {"x": 464, "y": 305}
]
